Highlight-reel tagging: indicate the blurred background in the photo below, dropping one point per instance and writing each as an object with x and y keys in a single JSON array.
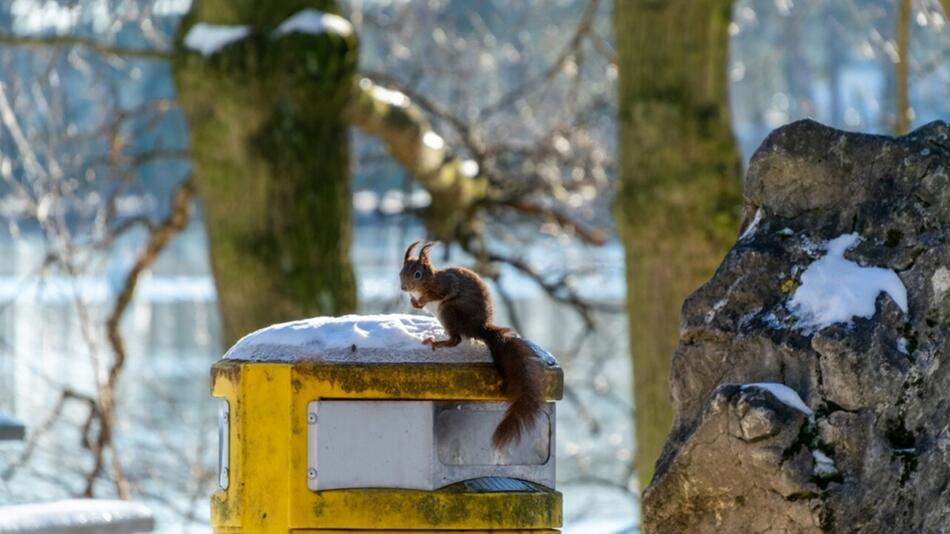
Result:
[{"x": 159, "y": 199}]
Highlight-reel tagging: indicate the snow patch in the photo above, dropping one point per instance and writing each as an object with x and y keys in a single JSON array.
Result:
[
  {"x": 389, "y": 96},
  {"x": 469, "y": 168},
  {"x": 773, "y": 322},
  {"x": 748, "y": 317},
  {"x": 903, "y": 345},
  {"x": 314, "y": 22},
  {"x": 393, "y": 338},
  {"x": 824, "y": 466},
  {"x": 209, "y": 38},
  {"x": 433, "y": 140},
  {"x": 834, "y": 289},
  {"x": 752, "y": 226},
  {"x": 711, "y": 314},
  {"x": 784, "y": 394}
]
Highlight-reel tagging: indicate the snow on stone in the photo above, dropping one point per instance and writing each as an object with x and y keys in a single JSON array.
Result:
[
  {"x": 824, "y": 466},
  {"x": 752, "y": 226},
  {"x": 784, "y": 394},
  {"x": 903, "y": 345},
  {"x": 835, "y": 289},
  {"x": 314, "y": 22},
  {"x": 773, "y": 321},
  {"x": 209, "y": 38},
  {"x": 711, "y": 314},
  {"x": 358, "y": 339}
]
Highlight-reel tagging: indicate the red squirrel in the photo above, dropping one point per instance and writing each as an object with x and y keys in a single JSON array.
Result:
[{"x": 459, "y": 299}]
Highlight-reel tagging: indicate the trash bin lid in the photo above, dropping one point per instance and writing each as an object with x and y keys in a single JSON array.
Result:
[{"x": 395, "y": 338}]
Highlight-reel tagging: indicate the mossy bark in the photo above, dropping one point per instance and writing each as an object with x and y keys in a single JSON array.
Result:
[
  {"x": 271, "y": 154},
  {"x": 677, "y": 208}
]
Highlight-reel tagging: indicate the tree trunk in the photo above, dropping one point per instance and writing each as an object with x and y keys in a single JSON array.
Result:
[
  {"x": 271, "y": 155},
  {"x": 677, "y": 208}
]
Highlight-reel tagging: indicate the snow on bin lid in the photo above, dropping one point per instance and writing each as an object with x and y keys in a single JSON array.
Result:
[{"x": 359, "y": 339}]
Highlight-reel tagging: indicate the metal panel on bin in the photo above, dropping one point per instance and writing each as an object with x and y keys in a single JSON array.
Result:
[{"x": 422, "y": 445}]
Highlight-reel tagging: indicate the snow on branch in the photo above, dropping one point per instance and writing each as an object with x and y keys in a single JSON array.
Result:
[
  {"x": 457, "y": 185},
  {"x": 209, "y": 38},
  {"x": 314, "y": 22}
]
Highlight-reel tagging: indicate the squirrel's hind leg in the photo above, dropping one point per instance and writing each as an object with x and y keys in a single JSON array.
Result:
[
  {"x": 453, "y": 321},
  {"x": 451, "y": 342}
]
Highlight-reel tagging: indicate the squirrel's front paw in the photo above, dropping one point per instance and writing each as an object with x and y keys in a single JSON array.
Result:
[{"x": 430, "y": 341}]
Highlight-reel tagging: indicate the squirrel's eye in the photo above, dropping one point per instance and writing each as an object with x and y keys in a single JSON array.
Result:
[{"x": 418, "y": 275}]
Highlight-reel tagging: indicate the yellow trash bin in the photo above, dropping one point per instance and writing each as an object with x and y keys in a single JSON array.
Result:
[{"x": 351, "y": 423}]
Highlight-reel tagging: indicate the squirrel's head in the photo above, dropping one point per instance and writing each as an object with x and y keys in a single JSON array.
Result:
[{"x": 416, "y": 271}]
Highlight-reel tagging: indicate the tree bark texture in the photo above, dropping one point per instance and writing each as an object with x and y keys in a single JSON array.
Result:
[
  {"x": 271, "y": 156},
  {"x": 678, "y": 204}
]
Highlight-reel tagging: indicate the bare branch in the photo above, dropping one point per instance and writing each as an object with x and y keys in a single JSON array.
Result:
[
  {"x": 456, "y": 186},
  {"x": 560, "y": 291},
  {"x": 594, "y": 236},
  {"x": 582, "y": 30},
  {"x": 46, "y": 426},
  {"x": 47, "y": 41},
  {"x": 174, "y": 223},
  {"x": 465, "y": 131}
]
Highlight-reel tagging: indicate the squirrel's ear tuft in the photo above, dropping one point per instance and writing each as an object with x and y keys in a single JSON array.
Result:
[
  {"x": 409, "y": 251},
  {"x": 424, "y": 251}
]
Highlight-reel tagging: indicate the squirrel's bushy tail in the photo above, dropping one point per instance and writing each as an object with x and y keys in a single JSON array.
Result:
[{"x": 523, "y": 378}]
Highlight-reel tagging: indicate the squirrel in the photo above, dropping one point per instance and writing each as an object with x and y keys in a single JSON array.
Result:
[{"x": 459, "y": 299}]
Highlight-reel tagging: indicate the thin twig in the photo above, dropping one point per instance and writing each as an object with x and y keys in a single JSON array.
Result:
[
  {"x": 46, "y": 426},
  {"x": 174, "y": 223},
  {"x": 559, "y": 291},
  {"x": 89, "y": 44},
  {"x": 582, "y": 29},
  {"x": 594, "y": 236}
]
